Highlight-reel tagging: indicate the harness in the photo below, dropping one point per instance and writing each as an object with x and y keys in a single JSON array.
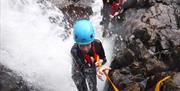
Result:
[{"x": 88, "y": 58}]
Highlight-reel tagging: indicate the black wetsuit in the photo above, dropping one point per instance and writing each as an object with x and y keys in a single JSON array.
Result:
[{"x": 82, "y": 71}]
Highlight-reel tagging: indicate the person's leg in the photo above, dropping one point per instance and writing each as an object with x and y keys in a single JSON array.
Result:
[
  {"x": 78, "y": 78},
  {"x": 91, "y": 79},
  {"x": 80, "y": 82},
  {"x": 106, "y": 20},
  {"x": 103, "y": 11},
  {"x": 92, "y": 82}
]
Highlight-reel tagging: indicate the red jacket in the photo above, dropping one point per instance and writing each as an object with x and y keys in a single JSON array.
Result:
[{"x": 115, "y": 6}]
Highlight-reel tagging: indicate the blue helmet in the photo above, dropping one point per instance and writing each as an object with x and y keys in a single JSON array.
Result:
[{"x": 83, "y": 32}]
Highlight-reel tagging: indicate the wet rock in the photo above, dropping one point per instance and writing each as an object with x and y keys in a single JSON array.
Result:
[
  {"x": 150, "y": 49},
  {"x": 74, "y": 12},
  {"x": 9, "y": 81},
  {"x": 132, "y": 87},
  {"x": 123, "y": 60},
  {"x": 176, "y": 79}
]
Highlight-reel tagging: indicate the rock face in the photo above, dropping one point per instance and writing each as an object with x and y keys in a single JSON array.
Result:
[
  {"x": 9, "y": 81},
  {"x": 74, "y": 12},
  {"x": 149, "y": 49}
]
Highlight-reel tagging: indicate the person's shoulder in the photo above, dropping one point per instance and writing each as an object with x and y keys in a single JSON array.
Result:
[
  {"x": 97, "y": 41},
  {"x": 74, "y": 49}
]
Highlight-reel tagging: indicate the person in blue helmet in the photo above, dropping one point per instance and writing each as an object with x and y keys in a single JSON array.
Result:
[{"x": 84, "y": 53}]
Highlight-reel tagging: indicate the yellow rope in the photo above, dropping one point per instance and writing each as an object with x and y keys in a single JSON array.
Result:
[
  {"x": 107, "y": 77},
  {"x": 158, "y": 85}
]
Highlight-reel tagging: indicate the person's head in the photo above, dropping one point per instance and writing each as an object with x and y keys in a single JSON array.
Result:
[{"x": 83, "y": 34}]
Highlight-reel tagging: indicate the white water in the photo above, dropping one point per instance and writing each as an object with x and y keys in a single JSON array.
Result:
[{"x": 30, "y": 45}]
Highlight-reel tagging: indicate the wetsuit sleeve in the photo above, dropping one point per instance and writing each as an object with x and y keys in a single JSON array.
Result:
[
  {"x": 102, "y": 55},
  {"x": 74, "y": 54},
  {"x": 76, "y": 65},
  {"x": 100, "y": 51}
]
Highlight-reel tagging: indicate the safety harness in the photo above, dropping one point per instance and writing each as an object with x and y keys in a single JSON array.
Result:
[{"x": 88, "y": 58}]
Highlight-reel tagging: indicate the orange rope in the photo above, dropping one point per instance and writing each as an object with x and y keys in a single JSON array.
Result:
[
  {"x": 158, "y": 85},
  {"x": 107, "y": 77}
]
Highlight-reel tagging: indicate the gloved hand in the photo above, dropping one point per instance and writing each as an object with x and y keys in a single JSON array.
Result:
[
  {"x": 99, "y": 63},
  {"x": 112, "y": 16},
  {"x": 116, "y": 13},
  {"x": 100, "y": 71}
]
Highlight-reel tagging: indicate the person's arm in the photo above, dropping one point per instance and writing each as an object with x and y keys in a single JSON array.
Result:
[
  {"x": 100, "y": 51},
  {"x": 76, "y": 59},
  {"x": 102, "y": 54},
  {"x": 101, "y": 69}
]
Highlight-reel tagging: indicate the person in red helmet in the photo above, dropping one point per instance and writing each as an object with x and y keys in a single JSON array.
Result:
[
  {"x": 106, "y": 11},
  {"x": 116, "y": 8},
  {"x": 119, "y": 6},
  {"x": 110, "y": 7},
  {"x": 113, "y": 10}
]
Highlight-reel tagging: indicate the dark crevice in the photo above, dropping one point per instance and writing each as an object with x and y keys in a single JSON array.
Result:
[{"x": 177, "y": 16}]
